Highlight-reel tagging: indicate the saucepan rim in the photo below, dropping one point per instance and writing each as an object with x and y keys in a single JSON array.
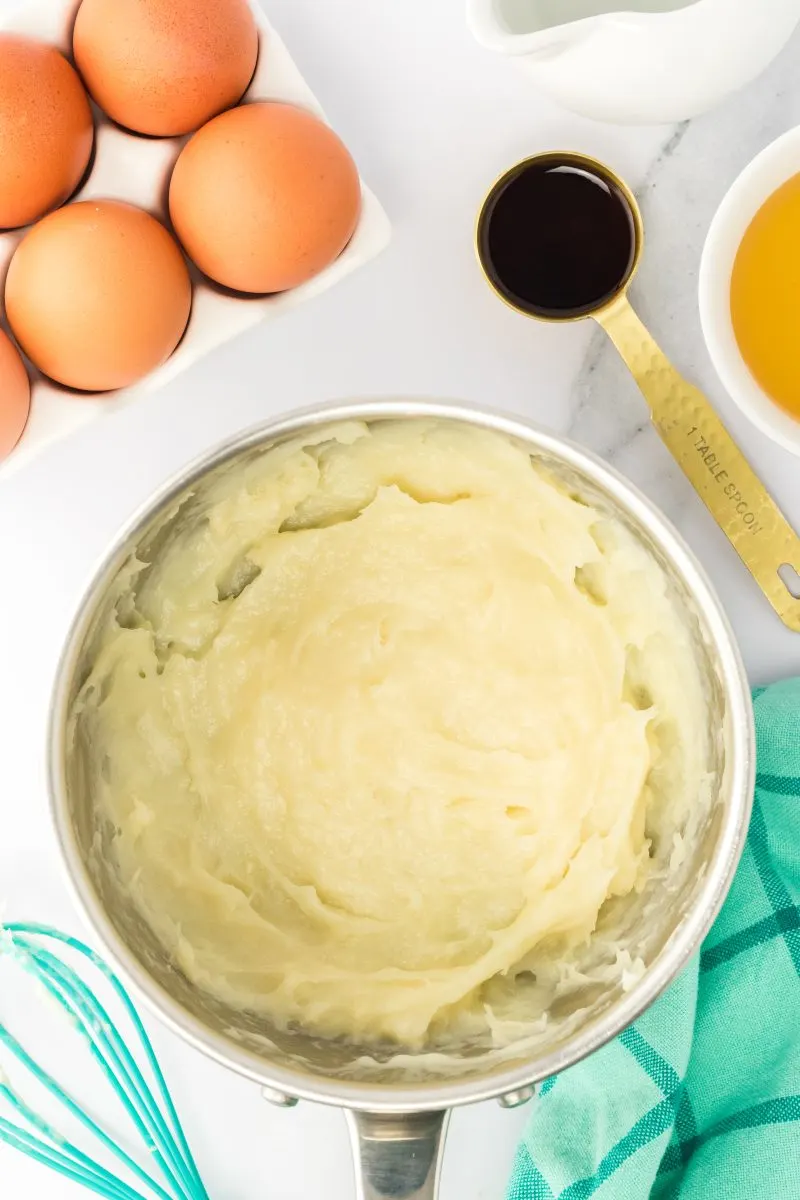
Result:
[{"x": 683, "y": 942}]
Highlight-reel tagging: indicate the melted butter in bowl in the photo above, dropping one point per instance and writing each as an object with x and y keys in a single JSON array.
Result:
[{"x": 393, "y": 735}]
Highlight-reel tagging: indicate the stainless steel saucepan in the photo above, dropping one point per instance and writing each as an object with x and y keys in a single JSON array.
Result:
[{"x": 398, "y": 1109}]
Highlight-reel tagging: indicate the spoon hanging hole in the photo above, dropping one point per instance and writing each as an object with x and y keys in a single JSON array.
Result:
[{"x": 790, "y": 578}]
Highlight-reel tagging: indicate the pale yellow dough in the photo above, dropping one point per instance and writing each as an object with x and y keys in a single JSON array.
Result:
[{"x": 386, "y": 723}]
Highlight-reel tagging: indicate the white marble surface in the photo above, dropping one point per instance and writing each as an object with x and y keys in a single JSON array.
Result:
[{"x": 432, "y": 120}]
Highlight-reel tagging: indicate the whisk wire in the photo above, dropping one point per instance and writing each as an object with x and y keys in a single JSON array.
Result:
[
  {"x": 158, "y": 1125},
  {"x": 175, "y": 1127},
  {"x": 107, "y": 1047},
  {"x": 70, "y": 1162},
  {"x": 66, "y": 1100}
]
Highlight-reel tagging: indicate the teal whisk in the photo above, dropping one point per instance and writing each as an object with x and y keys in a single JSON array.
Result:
[{"x": 171, "y": 1173}]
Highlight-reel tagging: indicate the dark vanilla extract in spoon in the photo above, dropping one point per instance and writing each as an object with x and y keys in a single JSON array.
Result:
[{"x": 558, "y": 240}]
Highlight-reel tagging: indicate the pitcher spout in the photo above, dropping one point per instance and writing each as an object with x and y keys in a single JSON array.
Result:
[{"x": 506, "y": 28}]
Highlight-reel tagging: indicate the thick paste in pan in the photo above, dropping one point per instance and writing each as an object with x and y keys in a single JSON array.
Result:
[{"x": 384, "y": 724}]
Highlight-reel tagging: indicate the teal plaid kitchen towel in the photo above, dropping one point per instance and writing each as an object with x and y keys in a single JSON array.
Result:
[{"x": 700, "y": 1098}]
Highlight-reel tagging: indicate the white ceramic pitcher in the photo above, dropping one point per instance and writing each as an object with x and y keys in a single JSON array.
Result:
[{"x": 657, "y": 61}]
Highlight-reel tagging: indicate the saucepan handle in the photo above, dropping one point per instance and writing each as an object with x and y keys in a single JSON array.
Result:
[{"x": 398, "y": 1156}]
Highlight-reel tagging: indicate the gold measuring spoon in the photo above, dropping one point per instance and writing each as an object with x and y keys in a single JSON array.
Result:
[{"x": 559, "y": 238}]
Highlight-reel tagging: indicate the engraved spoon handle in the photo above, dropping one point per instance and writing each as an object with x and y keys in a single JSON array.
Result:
[{"x": 712, "y": 462}]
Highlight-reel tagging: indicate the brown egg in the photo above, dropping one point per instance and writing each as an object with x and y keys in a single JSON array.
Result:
[
  {"x": 264, "y": 197},
  {"x": 45, "y": 130},
  {"x": 15, "y": 395},
  {"x": 163, "y": 67},
  {"x": 98, "y": 295}
]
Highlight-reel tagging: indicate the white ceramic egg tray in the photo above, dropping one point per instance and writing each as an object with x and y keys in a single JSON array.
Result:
[{"x": 137, "y": 169}]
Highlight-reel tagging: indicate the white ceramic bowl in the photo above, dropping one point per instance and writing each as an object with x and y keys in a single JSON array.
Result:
[{"x": 765, "y": 174}]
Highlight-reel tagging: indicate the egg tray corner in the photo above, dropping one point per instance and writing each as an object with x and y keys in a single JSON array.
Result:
[{"x": 129, "y": 167}]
